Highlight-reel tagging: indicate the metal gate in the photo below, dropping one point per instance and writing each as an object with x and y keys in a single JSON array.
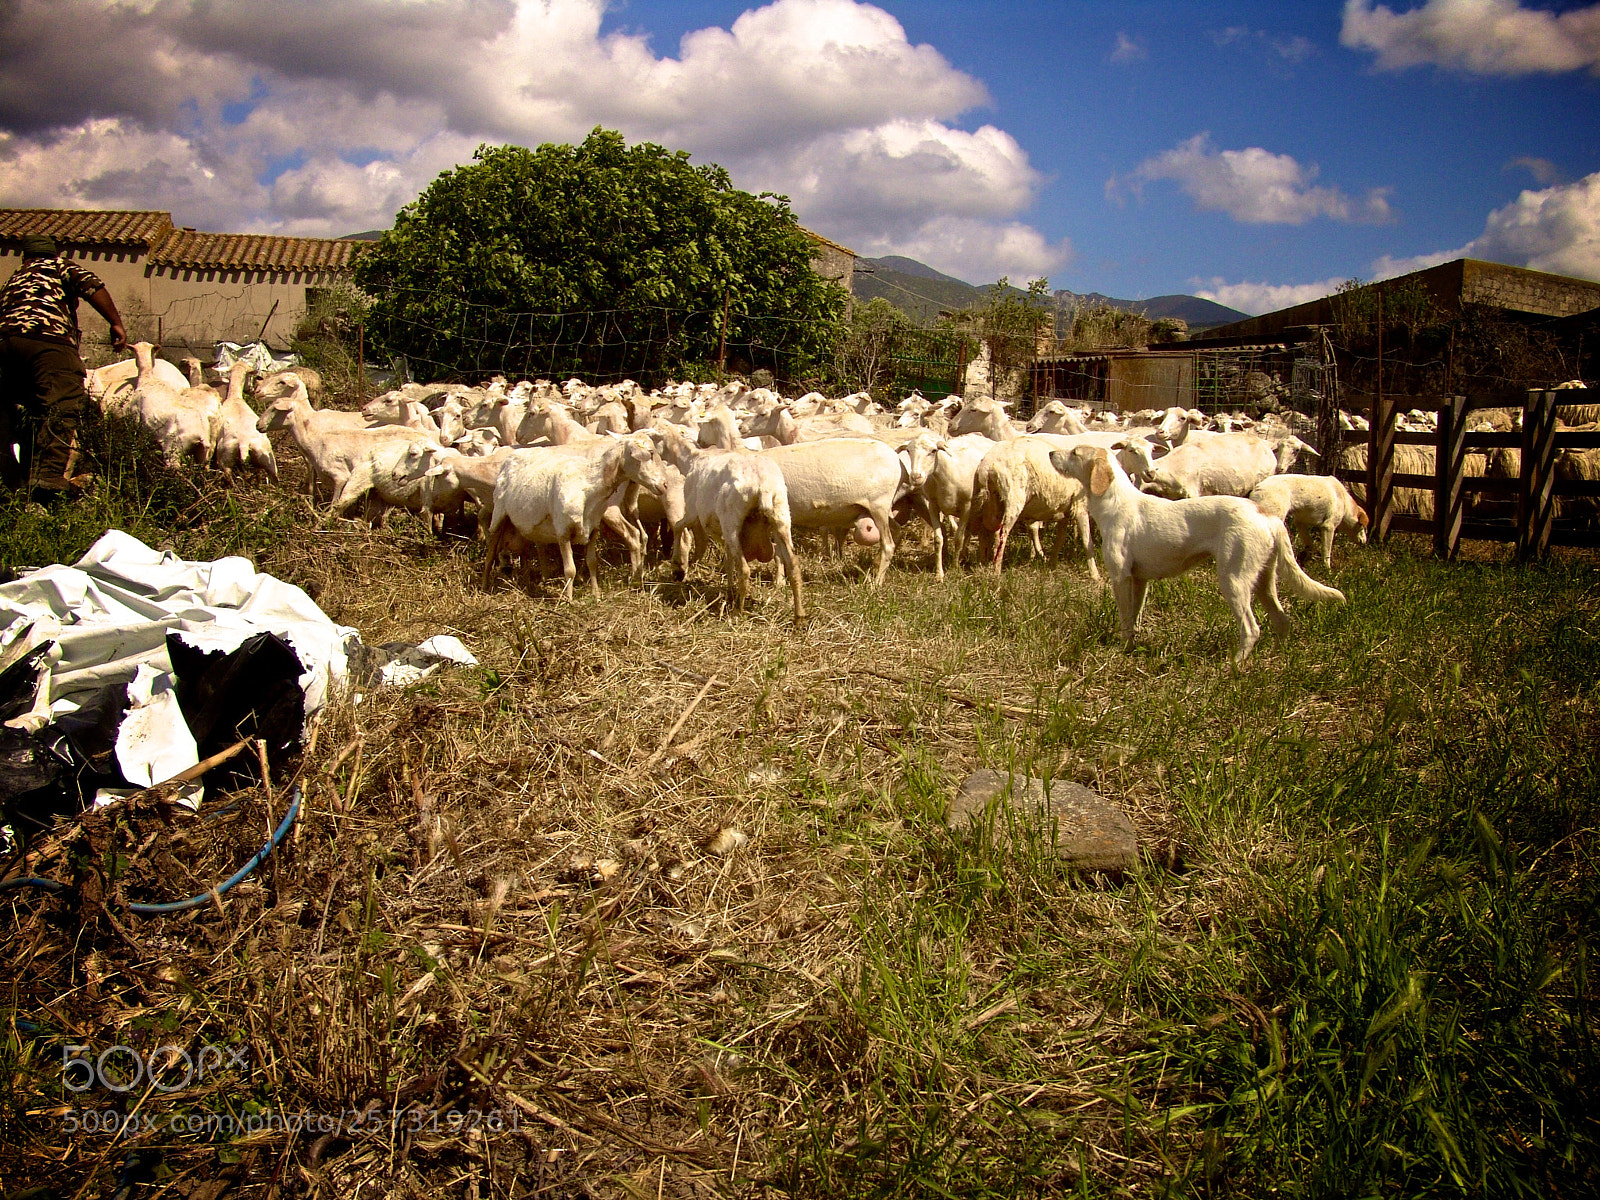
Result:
[{"x": 933, "y": 361}]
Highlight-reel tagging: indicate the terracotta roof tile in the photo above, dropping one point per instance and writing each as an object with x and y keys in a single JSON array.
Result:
[
  {"x": 256, "y": 251},
  {"x": 86, "y": 227}
]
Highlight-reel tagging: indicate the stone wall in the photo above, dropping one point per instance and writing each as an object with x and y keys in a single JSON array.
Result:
[
  {"x": 1527, "y": 291},
  {"x": 192, "y": 309}
]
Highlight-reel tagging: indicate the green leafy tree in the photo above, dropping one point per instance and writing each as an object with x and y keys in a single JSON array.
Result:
[
  {"x": 877, "y": 333},
  {"x": 602, "y": 259},
  {"x": 1011, "y": 322}
]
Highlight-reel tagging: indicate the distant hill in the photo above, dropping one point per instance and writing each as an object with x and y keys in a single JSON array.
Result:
[
  {"x": 371, "y": 235},
  {"x": 920, "y": 292},
  {"x": 916, "y": 289}
]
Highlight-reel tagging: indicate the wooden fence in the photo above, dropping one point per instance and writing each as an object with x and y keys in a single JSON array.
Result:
[{"x": 1534, "y": 527}]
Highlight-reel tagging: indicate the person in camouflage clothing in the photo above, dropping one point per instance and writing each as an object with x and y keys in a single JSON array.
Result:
[{"x": 41, "y": 373}]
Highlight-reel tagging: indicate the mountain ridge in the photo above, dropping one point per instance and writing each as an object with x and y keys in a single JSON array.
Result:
[{"x": 921, "y": 292}]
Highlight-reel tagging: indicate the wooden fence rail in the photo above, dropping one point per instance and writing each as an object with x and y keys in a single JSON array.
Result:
[{"x": 1535, "y": 489}]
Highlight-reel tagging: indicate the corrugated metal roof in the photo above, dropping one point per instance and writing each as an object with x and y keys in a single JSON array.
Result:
[
  {"x": 87, "y": 226},
  {"x": 255, "y": 251},
  {"x": 1167, "y": 350}
]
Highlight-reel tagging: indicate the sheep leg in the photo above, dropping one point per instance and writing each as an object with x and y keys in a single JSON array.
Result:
[
  {"x": 1327, "y": 546},
  {"x": 1059, "y": 546},
  {"x": 591, "y": 560},
  {"x": 491, "y": 551},
  {"x": 1129, "y": 595},
  {"x": 783, "y": 543},
  {"x": 632, "y": 536},
  {"x": 938, "y": 548},
  {"x": 880, "y": 518},
  {"x": 1008, "y": 521},
  {"x": 1036, "y": 547},
  {"x": 738, "y": 572},
  {"x": 569, "y": 569}
]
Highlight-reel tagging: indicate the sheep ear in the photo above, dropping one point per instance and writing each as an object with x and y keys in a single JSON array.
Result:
[{"x": 1101, "y": 476}]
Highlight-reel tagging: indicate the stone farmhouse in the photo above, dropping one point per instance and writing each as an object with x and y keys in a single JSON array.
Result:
[{"x": 189, "y": 289}]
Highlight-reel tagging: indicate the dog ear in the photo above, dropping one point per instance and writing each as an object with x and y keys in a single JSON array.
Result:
[{"x": 1101, "y": 476}]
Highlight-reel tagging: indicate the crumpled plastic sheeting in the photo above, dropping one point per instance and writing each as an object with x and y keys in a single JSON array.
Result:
[
  {"x": 109, "y": 615},
  {"x": 255, "y": 354},
  {"x": 400, "y": 664}
]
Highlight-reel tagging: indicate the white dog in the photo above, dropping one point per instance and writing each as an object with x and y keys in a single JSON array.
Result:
[
  {"x": 1146, "y": 537},
  {"x": 1313, "y": 504}
]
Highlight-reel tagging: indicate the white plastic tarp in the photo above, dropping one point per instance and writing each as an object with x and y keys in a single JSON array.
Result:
[
  {"x": 109, "y": 615},
  {"x": 255, "y": 354}
]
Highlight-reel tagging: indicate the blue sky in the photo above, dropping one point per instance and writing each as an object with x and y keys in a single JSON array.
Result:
[{"x": 1257, "y": 153}]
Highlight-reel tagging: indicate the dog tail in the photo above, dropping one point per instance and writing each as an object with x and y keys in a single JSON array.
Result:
[{"x": 1289, "y": 571}]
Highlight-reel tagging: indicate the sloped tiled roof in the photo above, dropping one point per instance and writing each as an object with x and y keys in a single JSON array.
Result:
[
  {"x": 829, "y": 242},
  {"x": 254, "y": 251},
  {"x": 75, "y": 227}
]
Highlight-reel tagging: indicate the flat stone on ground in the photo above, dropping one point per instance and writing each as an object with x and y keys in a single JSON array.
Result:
[{"x": 1092, "y": 833}]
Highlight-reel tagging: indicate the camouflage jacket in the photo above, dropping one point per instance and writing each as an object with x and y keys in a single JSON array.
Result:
[{"x": 41, "y": 299}]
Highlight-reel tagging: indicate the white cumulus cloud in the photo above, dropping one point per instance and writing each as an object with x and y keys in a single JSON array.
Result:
[
  {"x": 1257, "y": 298},
  {"x": 322, "y": 118},
  {"x": 1482, "y": 37},
  {"x": 1555, "y": 229},
  {"x": 1252, "y": 185}
]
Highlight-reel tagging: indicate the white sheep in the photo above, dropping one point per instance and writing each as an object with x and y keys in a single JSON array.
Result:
[
  {"x": 1223, "y": 464},
  {"x": 552, "y": 422},
  {"x": 551, "y": 495},
  {"x": 112, "y": 386},
  {"x": 740, "y": 499},
  {"x": 1056, "y": 417},
  {"x": 848, "y": 484},
  {"x": 985, "y": 416},
  {"x": 396, "y": 408},
  {"x": 1312, "y": 504},
  {"x": 240, "y": 445},
  {"x": 332, "y": 452},
  {"x": 183, "y": 420},
  {"x": 309, "y": 378},
  {"x": 1015, "y": 482},
  {"x": 947, "y": 492}
]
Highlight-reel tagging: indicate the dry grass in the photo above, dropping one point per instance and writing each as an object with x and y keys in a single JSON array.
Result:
[{"x": 750, "y": 958}]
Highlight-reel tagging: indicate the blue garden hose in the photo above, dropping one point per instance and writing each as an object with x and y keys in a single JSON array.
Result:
[{"x": 176, "y": 906}]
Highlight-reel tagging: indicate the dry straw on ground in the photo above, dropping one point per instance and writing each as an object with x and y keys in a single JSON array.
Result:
[{"x": 709, "y": 963}]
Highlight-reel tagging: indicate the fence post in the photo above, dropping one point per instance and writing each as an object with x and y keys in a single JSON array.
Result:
[
  {"x": 1536, "y": 486},
  {"x": 1330, "y": 437},
  {"x": 1380, "y": 467},
  {"x": 1449, "y": 465}
]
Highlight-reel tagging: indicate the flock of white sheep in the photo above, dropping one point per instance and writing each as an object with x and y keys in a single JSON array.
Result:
[{"x": 688, "y": 465}]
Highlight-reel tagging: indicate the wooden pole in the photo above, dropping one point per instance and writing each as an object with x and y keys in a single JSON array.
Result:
[
  {"x": 722, "y": 342},
  {"x": 1536, "y": 493},
  {"x": 1380, "y": 465},
  {"x": 361, "y": 363},
  {"x": 1449, "y": 465},
  {"x": 272, "y": 312}
]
